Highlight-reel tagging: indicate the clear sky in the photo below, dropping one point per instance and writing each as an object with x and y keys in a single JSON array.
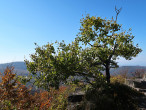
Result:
[{"x": 23, "y": 22}]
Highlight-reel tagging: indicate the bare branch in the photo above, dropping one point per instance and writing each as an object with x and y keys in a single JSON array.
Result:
[{"x": 117, "y": 12}]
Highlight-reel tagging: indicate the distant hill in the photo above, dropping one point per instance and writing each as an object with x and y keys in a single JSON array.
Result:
[
  {"x": 21, "y": 69},
  {"x": 127, "y": 69}
]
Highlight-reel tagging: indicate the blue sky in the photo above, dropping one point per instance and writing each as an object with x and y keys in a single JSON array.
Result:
[{"x": 23, "y": 22}]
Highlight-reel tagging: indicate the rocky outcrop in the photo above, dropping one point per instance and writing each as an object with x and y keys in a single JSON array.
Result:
[{"x": 137, "y": 83}]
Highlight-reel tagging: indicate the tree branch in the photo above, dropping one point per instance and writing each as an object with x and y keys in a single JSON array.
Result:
[
  {"x": 96, "y": 63},
  {"x": 101, "y": 60},
  {"x": 117, "y": 12},
  {"x": 113, "y": 52},
  {"x": 83, "y": 74},
  {"x": 93, "y": 45}
]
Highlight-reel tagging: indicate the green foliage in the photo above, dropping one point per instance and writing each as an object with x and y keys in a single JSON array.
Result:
[
  {"x": 50, "y": 67},
  {"x": 23, "y": 79},
  {"x": 107, "y": 42}
]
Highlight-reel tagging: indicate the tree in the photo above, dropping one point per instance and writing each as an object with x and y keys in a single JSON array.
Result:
[
  {"x": 104, "y": 44},
  {"x": 49, "y": 65},
  {"x": 107, "y": 42}
]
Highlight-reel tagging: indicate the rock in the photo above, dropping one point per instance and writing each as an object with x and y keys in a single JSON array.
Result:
[{"x": 75, "y": 98}]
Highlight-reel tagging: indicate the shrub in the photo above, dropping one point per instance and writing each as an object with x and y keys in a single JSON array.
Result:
[
  {"x": 13, "y": 93},
  {"x": 15, "y": 96},
  {"x": 118, "y": 78},
  {"x": 115, "y": 96},
  {"x": 60, "y": 98}
]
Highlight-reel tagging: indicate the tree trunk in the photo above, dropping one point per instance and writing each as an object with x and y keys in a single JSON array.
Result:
[{"x": 107, "y": 73}]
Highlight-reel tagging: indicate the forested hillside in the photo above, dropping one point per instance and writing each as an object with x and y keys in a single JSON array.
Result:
[{"x": 21, "y": 69}]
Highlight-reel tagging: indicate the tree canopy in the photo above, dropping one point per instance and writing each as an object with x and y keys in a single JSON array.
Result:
[
  {"x": 50, "y": 67},
  {"x": 107, "y": 41},
  {"x": 104, "y": 43}
]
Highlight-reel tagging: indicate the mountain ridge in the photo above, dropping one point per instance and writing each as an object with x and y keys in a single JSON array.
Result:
[{"x": 21, "y": 69}]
